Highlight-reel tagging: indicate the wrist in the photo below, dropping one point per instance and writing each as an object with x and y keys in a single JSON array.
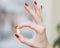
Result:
[
  {"x": 44, "y": 46},
  {"x": 49, "y": 46}
]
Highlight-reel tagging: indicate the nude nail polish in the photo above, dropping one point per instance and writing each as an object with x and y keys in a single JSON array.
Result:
[
  {"x": 26, "y": 4},
  {"x": 35, "y": 2},
  {"x": 17, "y": 35}
]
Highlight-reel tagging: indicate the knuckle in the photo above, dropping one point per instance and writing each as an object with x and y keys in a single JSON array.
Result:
[
  {"x": 41, "y": 29},
  {"x": 22, "y": 41}
]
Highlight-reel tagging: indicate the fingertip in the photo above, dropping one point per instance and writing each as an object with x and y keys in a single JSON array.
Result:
[
  {"x": 17, "y": 36},
  {"x": 26, "y": 4},
  {"x": 41, "y": 6},
  {"x": 35, "y": 2},
  {"x": 16, "y": 26}
]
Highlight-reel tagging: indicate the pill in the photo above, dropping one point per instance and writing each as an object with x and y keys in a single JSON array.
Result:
[{"x": 18, "y": 31}]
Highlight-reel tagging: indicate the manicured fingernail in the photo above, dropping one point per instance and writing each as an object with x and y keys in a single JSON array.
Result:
[
  {"x": 16, "y": 26},
  {"x": 26, "y": 4},
  {"x": 17, "y": 35},
  {"x": 41, "y": 6},
  {"x": 35, "y": 2}
]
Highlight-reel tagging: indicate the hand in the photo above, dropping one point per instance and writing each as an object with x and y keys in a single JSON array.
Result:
[{"x": 40, "y": 40}]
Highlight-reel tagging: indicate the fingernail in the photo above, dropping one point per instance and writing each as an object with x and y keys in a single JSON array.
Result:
[
  {"x": 35, "y": 2},
  {"x": 26, "y": 4},
  {"x": 16, "y": 26},
  {"x": 41, "y": 6},
  {"x": 17, "y": 36}
]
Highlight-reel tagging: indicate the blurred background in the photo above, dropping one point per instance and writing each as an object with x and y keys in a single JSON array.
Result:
[{"x": 12, "y": 13}]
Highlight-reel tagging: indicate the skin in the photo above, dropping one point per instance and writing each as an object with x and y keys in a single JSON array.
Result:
[{"x": 40, "y": 40}]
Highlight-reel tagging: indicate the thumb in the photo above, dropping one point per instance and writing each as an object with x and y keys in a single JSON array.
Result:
[{"x": 24, "y": 40}]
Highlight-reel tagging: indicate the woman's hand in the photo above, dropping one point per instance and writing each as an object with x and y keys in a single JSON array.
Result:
[{"x": 40, "y": 40}]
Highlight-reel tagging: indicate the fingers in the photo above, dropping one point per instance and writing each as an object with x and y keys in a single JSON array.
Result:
[
  {"x": 41, "y": 13},
  {"x": 37, "y": 14},
  {"x": 36, "y": 7},
  {"x": 32, "y": 13},
  {"x": 38, "y": 10},
  {"x": 28, "y": 24},
  {"x": 23, "y": 40}
]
